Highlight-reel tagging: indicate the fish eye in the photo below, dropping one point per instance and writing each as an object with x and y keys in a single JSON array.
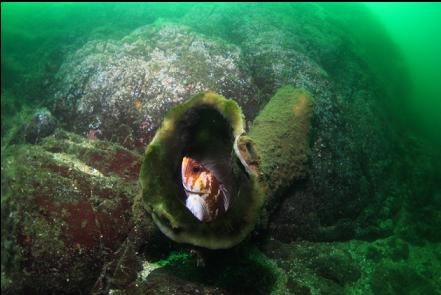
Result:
[{"x": 196, "y": 169}]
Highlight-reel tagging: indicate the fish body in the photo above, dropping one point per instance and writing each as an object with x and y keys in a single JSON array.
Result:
[{"x": 206, "y": 196}]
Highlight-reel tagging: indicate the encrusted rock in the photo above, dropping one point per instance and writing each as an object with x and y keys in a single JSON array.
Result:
[
  {"x": 66, "y": 208},
  {"x": 120, "y": 90}
]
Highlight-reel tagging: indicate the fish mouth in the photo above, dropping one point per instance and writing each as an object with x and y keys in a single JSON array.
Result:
[{"x": 193, "y": 192}]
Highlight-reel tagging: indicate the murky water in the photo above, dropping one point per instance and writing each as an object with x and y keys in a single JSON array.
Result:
[
  {"x": 415, "y": 29},
  {"x": 351, "y": 181}
]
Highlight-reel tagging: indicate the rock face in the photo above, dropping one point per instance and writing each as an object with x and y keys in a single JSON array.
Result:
[
  {"x": 66, "y": 208},
  {"x": 311, "y": 46},
  {"x": 120, "y": 90},
  {"x": 353, "y": 188}
]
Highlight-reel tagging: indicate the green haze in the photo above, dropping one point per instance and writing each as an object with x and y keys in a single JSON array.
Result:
[{"x": 416, "y": 30}]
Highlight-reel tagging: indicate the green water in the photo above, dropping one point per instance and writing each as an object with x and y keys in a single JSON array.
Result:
[
  {"x": 415, "y": 28},
  {"x": 364, "y": 219}
]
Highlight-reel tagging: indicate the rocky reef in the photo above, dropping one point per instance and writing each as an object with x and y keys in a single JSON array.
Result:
[
  {"x": 120, "y": 90},
  {"x": 66, "y": 208},
  {"x": 350, "y": 201}
]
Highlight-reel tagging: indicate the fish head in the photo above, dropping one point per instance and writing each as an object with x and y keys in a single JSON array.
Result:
[
  {"x": 206, "y": 197},
  {"x": 195, "y": 177}
]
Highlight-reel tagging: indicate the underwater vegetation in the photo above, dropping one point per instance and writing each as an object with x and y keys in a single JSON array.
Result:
[{"x": 236, "y": 148}]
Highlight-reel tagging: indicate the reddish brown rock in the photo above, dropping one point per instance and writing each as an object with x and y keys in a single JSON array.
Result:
[{"x": 66, "y": 208}]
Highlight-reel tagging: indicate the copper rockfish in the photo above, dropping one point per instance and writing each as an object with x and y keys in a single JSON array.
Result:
[{"x": 207, "y": 197}]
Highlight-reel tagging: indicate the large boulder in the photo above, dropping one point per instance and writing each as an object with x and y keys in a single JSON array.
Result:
[
  {"x": 120, "y": 90},
  {"x": 66, "y": 208}
]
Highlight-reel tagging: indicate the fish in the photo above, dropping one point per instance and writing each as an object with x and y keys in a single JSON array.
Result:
[{"x": 206, "y": 196}]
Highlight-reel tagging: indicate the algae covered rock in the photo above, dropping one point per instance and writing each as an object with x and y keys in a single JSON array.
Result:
[
  {"x": 66, "y": 208},
  {"x": 280, "y": 133},
  {"x": 228, "y": 272},
  {"x": 353, "y": 140},
  {"x": 120, "y": 90},
  {"x": 348, "y": 267}
]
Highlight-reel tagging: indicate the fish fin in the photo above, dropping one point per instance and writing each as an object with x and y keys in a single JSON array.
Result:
[{"x": 226, "y": 197}]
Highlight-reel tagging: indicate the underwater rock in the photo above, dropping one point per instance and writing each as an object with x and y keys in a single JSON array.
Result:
[
  {"x": 144, "y": 241},
  {"x": 41, "y": 124},
  {"x": 345, "y": 267},
  {"x": 276, "y": 50},
  {"x": 334, "y": 179},
  {"x": 353, "y": 143},
  {"x": 294, "y": 268},
  {"x": 166, "y": 282},
  {"x": 280, "y": 134},
  {"x": 338, "y": 268},
  {"x": 228, "y": 272},
  {"x": 66, "y": 208},
  {"x": 120, "y": 90},
  {"x": 400, "y": 280}
]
